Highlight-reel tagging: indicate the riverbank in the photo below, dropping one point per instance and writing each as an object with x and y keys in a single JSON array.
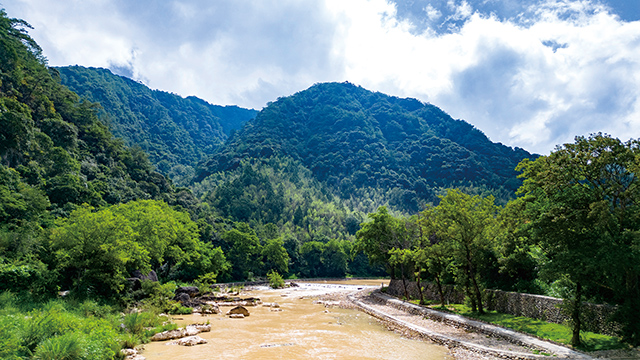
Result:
[
  {"x": 312, "y": 325},
  {"x": 466, "y": 338}
]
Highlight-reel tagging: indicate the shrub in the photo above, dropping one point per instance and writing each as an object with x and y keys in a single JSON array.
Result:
[
  {"x": 69, "y": 346},
  {"x": 275, "y": 280},
  {"x": 135, "y": 322}
]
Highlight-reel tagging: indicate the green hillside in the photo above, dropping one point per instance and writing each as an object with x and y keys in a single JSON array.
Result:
[
  {"x": 55, "y": 153},
  {"x": 357, "y": 141},
  {"x": 176, "y": 132}
]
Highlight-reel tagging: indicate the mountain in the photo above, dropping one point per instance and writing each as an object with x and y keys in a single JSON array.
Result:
[
  {"x": 54, "y": 152},
  {"x": 176, "y": 132},
  {"x": 355, "y": 140}
]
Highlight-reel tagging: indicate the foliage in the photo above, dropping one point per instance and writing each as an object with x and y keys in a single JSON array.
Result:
[
  {"x": 467, "y": 224},
  {"x": 555, "y": 332},
  {"x": 53, "y": 148},
  {"x": 96, "y": 250},
  {"x": 581, "y": 205},
  {"x": 275, "y": 280},
  {"x": 356, "y": 141},
  {"x": 56, "y": 330},
  {"x": 176, "y": 132}
]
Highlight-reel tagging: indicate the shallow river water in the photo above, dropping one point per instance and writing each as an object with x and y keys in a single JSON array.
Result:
[{"x": 302, "y": 330}]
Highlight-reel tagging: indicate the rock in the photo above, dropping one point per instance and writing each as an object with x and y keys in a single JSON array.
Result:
[
  {"x": 188, "y": 341},
  {"x": 190, "y": 330},
  {"x": 239, "y": 310},
  {"x": 272, "y": 305},
  {"x": 236, "y": 316},
  {"x": 183, "y": 298},
  {"x": 276, "y": 309},
  {"x": 152, "y": 276},
  {"x": 210, "y": 308},
  {"x": 292, "y": 284},
  {"x": 135, "y": 281},
  {"x": 131, "y": 354},
  {"x": 191, "y": 290},
  {"x": 128, "y": 352},
  {"x": 135, "y": 357}
]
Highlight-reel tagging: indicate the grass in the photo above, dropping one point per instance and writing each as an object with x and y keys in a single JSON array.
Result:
[{"x": 556, "y": 332}]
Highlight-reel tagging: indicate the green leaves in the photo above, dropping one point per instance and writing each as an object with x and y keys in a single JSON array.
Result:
[
  {"x": 582, "y": 204},
  {"x": 96, "y": 250}
]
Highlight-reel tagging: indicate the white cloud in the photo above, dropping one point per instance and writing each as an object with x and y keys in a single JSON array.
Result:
[
  {"x": 566, "y": 68},
  {"x": 433, "y": 14}
]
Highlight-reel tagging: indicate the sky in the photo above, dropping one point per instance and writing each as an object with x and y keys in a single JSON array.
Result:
[{"x": 528, "y": 73}]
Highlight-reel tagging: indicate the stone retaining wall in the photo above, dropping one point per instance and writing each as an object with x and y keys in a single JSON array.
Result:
[{"x": 596, "y": 317}]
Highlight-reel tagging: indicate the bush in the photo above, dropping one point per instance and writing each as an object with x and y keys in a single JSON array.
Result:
[
  {"x": 275, "y": 280},
  {"x": 69, "y": 346}
]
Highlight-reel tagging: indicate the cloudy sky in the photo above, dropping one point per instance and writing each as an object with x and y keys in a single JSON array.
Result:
[{"x": 528, "y": 73}]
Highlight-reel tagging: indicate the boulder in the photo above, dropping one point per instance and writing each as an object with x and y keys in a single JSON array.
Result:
[
  {"x": 188, "y": 341},
  {"x": 190, "y": 330},
  {"x": 183, "y": 298},
  {"x": 239, "y": 310},
  {"x": 135, "y": 281},
  {"x": 210, "y": 308},
  {"x": 131, "y": 354},
  {"x": 192, "y": 291},
  {"x": 150, "y": 276},
  {"x": 236, "y": 316}
]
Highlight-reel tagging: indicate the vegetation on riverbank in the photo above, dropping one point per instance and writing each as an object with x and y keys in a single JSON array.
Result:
[
  {"x": 573, "y": 233},
  {"x": 70, "y": 329},
  {"x": 560, "y": 333}
]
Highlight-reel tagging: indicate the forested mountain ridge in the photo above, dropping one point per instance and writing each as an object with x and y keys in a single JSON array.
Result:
[
  {"x": 352, "y": 138},
  {"x": 55, "y": 153},
  {"x": 176, "y": 132}
]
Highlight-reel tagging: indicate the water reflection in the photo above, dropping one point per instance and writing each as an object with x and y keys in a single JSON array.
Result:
[{"x": 303, "y": 330}]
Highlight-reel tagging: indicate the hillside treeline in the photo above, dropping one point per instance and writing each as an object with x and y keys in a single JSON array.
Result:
[{"x": 573, "y": 232}]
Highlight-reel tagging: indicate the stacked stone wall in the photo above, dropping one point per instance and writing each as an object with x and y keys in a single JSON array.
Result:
[{"x": 596, "y": 318}]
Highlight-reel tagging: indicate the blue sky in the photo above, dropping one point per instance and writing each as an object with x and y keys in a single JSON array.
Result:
[{"x": 528, "y": 73}]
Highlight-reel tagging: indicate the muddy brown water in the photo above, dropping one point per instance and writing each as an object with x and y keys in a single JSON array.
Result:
[{"x": 302, "y": 330}]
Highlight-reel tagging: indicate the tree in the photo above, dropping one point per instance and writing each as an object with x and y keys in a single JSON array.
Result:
[
  {"x": 375, "y": 238},
  {"x": 336, "y": 259},
  {"x": 244, "y": 251},
  {"x": 582, "y": 204},
  {"x": 275, "y": 256},
  {"x": 434, "y": 256},
  {"x": 312, "y": 259},
  {"x": 467, "y": 224},
  {"x": 95, "y": 250}
]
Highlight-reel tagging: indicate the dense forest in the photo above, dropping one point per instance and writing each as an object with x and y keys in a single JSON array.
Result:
[
  {"x": 333, "y": 181},
  {"x": 358, "y": 142},
  {"x": 175, "y": 132}
]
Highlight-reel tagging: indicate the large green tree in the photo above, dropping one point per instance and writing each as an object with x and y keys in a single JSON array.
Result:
[
  {"x": 467, "y": 223},
  {"x": 582, "y": 208},
  {"x": 95, "y": 250}
]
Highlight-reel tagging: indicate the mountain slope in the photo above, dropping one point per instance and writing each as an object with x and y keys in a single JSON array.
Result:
[
  {"x": 176, "y": 132},
  {"x": 353, "y": 139},
  {"x": 54, "y": 152}
]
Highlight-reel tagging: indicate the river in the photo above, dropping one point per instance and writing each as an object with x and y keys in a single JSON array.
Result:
[{"x": 302, "y": 330}]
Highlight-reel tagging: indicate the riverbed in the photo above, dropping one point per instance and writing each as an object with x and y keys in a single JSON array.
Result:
[{"x": 304, "y": 329}]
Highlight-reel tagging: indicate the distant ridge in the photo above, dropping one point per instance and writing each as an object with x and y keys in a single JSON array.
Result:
[
  {"x": 352, "y": 138},
  {"x": 176, "y": 132}
]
